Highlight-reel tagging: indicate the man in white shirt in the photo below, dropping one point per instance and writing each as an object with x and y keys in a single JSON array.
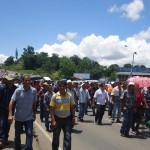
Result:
[{"x": 101, "y": 97}]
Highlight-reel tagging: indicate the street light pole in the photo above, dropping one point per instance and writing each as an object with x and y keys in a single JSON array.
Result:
[{"x": 132, "y": 65}]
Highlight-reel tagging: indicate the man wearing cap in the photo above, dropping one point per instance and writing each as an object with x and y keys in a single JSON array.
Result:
[
  {"x": 128, "y": 102},
  {"x": 6, "y": 91},
  {"x": 70, "y": 89}
]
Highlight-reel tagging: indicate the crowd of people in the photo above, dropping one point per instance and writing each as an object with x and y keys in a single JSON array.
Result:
[{"x": 20, "y": 99}]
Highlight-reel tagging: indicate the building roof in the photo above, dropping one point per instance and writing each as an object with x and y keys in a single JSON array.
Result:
[{"x": 133, "y": 73}]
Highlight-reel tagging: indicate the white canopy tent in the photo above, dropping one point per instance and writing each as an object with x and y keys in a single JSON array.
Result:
[{"x": 46, "y": 78}]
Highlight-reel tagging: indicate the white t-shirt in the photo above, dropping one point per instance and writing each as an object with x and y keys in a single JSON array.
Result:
[
  {"x": 115, "y": 92},
  {"x": 100, "y": 96}
]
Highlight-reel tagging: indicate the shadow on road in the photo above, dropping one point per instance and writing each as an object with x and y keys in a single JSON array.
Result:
[
  {"x": 88, "y": 121},
  {"x": 10, "y": 145},
  {"x": 76, "y": 131}
]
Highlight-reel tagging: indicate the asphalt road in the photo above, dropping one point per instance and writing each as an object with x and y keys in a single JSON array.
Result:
[{"x": 89, "y": 136}]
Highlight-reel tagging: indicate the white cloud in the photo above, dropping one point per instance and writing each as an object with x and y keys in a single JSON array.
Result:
[
  {"x": 2, "y": 58},
  {"x": 114, "y": 8},
  {"x": 145, "y": 35},
  {"x": 68, "y": 36},
  {"x": 107, "y": 51},
  {"x": 132, "y": 10}
]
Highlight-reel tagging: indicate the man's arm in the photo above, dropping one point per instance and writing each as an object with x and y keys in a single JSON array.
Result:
[
  {"x": 123, "y": 101},
  {"x": 72, "y": 109},
  {"x": 34, "y": 110},
  {"x": 46, "y": 98},
  {"x": 52, "y": 116},
  {"x": 145, "y": 103},
  {"x": 10, "y": 115}
]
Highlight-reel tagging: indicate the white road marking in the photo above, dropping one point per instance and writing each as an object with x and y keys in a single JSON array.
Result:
[{"x": 44, "y": 132}]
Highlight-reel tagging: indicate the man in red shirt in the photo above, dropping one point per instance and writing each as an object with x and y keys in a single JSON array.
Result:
[{"x": 138, "y": 109}]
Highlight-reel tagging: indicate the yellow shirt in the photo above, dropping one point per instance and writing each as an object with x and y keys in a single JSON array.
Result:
[{"x": 62, "y": 104}]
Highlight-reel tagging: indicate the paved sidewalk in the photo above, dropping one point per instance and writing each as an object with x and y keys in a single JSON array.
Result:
[{"x": 10, "y": 146}]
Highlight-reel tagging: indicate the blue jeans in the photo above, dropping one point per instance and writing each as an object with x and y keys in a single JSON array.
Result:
[
  {"x": 116, "y": 107},
  {"x": 47, "y": 119},
  {"x": 110, "y": 109},
  {"x": 29, "y": 134},
  {"x": 66, "y": 125},
  {"x": 76, "y": 105},
  {"x": 127, "y": 120},
  {"x": 147, "y": 114},
  {"x": 82, "y": 109},
  {"x": 4, "y": 126},
  {"x": 42, "y": 110}
]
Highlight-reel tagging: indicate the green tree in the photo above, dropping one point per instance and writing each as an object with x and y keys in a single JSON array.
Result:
[
  {"x": 29, "y": 62},
  {"x": 76, "y": 59},
  {"x": 28, "y": 51},
  {"x": 41, "y": 59},
  {"x": 96, "y": 70},
  {"x": 112, "y": 69},
  {"x": 29, "y": 58},
  {"x": 55, "y": 60},
  {"x": 67, "y": 67},
  {"x": 9, "y": 61},
  {"x": 85, "y": 65},
  {"x": 142, "y": 66},
  {"x": 127, "y": 65}
]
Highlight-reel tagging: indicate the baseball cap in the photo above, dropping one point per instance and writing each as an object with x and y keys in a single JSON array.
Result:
[
  {"x": 69, "y": 81},
  {"x": 83, "y": 84},
  {"x": 112, "y": 82},
  {"x": 131, "y": 83},
  {"x": 45, "y": 83}
]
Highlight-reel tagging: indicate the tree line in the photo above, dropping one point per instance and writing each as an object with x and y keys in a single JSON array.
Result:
[{"x": 60, "y": 67}]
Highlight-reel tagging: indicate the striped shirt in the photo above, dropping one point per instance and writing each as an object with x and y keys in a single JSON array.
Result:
[
  {"x": 47, "y": 98},
  {"x": 62, "y": 104}
]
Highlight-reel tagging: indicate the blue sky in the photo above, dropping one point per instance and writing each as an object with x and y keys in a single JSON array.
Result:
[{"x": 97, "y": 29}]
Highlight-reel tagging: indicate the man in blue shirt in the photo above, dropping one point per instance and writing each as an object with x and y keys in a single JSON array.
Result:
[
  {"x": 25, "y": 112},
  {"x": 84, "y": 97}
]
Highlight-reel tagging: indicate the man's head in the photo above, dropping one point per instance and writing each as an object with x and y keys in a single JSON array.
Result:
[
  {"x": 101, "y": 86},
  {"x": 50, "y": 88},
  {"x": 131, "y": 86},
  {"x": 9, "y": 79},
  {"x": 69, "y": 84},
  {"x": 112, "y": 83},
  {"x": 119, "y": 83},
  {"x": 83, "y": 85},
  {"x": 62, "y": 85},
  {"x": 148, "y": 88},
  {"x": 26, "y": 80}
]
